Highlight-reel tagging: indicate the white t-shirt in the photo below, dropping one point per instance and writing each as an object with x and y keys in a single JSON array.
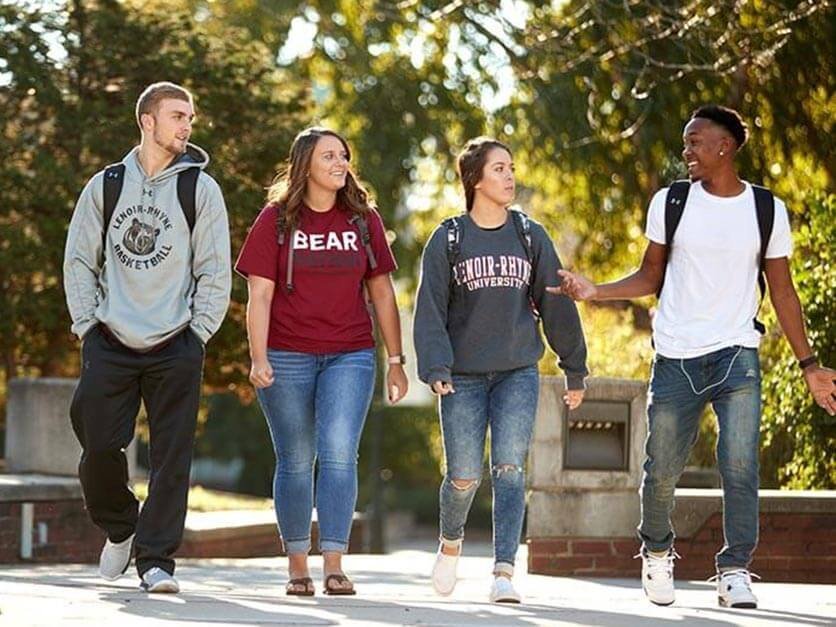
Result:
[{"x": 710, "y": 294}]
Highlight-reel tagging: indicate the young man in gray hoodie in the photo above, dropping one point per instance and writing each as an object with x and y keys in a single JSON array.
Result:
[{"x": 147, "y": 280}]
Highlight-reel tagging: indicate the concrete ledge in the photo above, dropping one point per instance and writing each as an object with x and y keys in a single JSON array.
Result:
[
  {"x": 63, "y": 532},
  {"x": 33, "y": 487},
  {"x": 695, "y": 506},
  {"x": 796, "y": 542},
  {"x": 248, "y": 533}
]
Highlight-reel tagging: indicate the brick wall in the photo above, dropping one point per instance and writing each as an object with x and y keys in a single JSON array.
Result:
[
  {"x": 259, "y": 543},
  {"x": 72, "y": 538},
  {"x": 797, "y": 547}
]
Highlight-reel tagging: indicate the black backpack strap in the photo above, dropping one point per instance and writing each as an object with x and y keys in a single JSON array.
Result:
[
  {"x": 453, "y": 228},
  {"x": 675, "y": 201},
  {"x": 114, "y": 178},
  {"x": 522, "y": 224},
  {"x": 765, "y": 209},
  {"x": 363, "y": 226},
  {"x": 187, "y": 194}
]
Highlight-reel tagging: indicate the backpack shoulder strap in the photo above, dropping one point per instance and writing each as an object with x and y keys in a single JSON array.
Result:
[
  {"x": 522, "y": 223},
  {"x": 765, "y": 210},
  {"x": 187, "y": 194},
  {"x": 114, "y": 178},
  {"x": 674, "y": 206},
  {"x": 363, "y": 226},
  {"x": 453, "y": 227}
]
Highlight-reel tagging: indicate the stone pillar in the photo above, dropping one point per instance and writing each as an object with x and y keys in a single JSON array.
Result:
[
  {"x": 39, "y": 437},
  {"x": 585, "y": 468}
]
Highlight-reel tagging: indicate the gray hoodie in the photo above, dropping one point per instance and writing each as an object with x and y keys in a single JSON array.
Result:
[
  {"x": 154, "y": 277},
  {"x": 476, "y": 317}
]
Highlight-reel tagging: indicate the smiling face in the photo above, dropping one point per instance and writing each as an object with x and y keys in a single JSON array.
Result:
[
  {"x": 329, "y": 164},
  {"x": 707, "y": 146},
  {"x": 169, "y": 126},
  {"x": 497, "y": 184}
]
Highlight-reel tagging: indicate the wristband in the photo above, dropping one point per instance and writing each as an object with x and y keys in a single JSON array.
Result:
[
  {"x": 396, "y": 360},
  {"x": 805, "y": 363}
]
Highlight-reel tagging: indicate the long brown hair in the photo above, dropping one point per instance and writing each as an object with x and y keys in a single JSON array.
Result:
[
  {"x": 287, "y": 193},
  {"x": 471, "y": 163}
]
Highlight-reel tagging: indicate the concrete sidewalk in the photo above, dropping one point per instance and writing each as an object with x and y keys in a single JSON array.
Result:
[{"x": 392, "y": 589}]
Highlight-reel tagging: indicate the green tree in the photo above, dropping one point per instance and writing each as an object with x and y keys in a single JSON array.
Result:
[{"x": 70, "y": 78}]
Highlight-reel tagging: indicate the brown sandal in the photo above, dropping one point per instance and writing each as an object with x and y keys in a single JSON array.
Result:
[
  {"x": 307, "y": 591},
  {"x": 340, "y": 579}
]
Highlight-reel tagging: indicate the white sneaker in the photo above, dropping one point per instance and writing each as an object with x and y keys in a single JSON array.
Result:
[
  {"x": 157, "y": 580},
  {"x": 502, "y": 591},
  {"x": 115, "y": 558},
  {"x": 734, "y": 589},
  {"x": 444, "y": 572},
  {"x": 657, "y": 577}
]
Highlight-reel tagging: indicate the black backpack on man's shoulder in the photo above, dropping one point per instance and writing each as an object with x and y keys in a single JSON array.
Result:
[
  {"x": 764, "y": 208},
  {"x": 114, "y": 178}
]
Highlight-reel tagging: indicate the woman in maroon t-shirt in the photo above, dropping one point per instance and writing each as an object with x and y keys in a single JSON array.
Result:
[{"x": 307, "y": 259}]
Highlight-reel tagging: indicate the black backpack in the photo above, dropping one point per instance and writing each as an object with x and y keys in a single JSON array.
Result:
[
  {"x": 764, "y": 208},
  {"x": 114, "y": 178},
  {"x": 522, "y": 225}
]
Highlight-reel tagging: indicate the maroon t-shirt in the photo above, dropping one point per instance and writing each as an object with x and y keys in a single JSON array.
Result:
[{"x": 326, "y": 312}]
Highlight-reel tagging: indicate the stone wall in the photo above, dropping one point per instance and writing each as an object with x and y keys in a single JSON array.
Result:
[
  {"x": 61, "y": 531},
  {"x": 797, "y": 541},
  {"x": 583, "y": 522}
]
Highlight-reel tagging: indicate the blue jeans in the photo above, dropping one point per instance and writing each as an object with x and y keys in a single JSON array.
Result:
[
  {"x": 507, "y": 403},
  {"x": 730, "y": 380},
  {"x": 315, "y": 410}
]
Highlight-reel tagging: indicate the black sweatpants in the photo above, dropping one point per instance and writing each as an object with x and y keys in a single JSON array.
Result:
[{"x": 113, "y": 380}]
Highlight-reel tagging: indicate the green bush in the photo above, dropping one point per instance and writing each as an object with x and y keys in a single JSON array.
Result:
[{"x": 798, "y": 436}]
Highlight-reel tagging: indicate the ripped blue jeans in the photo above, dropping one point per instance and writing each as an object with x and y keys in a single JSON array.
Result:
[
  {"x": 506, "y": 403},
  {"x": 730, "y": 380}
]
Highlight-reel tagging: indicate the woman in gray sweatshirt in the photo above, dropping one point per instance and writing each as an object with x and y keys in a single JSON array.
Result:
[{"x": 477, "y": 334}]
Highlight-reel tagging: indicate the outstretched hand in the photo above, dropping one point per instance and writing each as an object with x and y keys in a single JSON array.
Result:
[
  {"x": 574, "y": 286},
  {"x": 822, "y": 384}
]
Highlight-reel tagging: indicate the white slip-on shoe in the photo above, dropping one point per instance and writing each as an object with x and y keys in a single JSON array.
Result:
[
  {"x": 115, "y": 558},
  {"x": 503, "y": 591},
  {"x": 657, "y": 577},
  {"x": 444, "y": 572},
  {"x": 157, "y": 580},
  {"x": 734, "y": 589}
]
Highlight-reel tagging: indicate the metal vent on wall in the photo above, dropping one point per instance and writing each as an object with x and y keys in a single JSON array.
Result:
[{"x": 596, "y": 436}]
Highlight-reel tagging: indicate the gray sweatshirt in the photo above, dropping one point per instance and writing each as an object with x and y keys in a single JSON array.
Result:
[
  {"x": 154, "y": 277},
  {"x": 481, "y": 321}
]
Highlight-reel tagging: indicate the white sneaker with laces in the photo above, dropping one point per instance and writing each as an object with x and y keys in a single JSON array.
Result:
[
  {"x": 444, "y": 572},
  {"x": 157, "y": 580},
  {"x": 115, "y": 558},
  {"x": 657, "y": 577},
  {"x": 734, "y": 589},
  {"x": 502, "y": 591}
]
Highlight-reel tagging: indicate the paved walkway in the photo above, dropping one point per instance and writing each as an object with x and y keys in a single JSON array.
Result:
[{"x": 393, "y": 590}]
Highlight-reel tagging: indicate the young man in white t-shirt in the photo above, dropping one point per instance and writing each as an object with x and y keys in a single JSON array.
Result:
[{"x": 706, "y": 347}]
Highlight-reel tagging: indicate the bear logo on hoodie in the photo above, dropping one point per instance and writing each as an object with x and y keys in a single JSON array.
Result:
[{"x": 140, "y": 238}]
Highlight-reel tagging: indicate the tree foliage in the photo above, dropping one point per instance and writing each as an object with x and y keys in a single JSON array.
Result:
[
  {"x": 71, "y": 78},
  {"x": 592, "y": 97}
]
